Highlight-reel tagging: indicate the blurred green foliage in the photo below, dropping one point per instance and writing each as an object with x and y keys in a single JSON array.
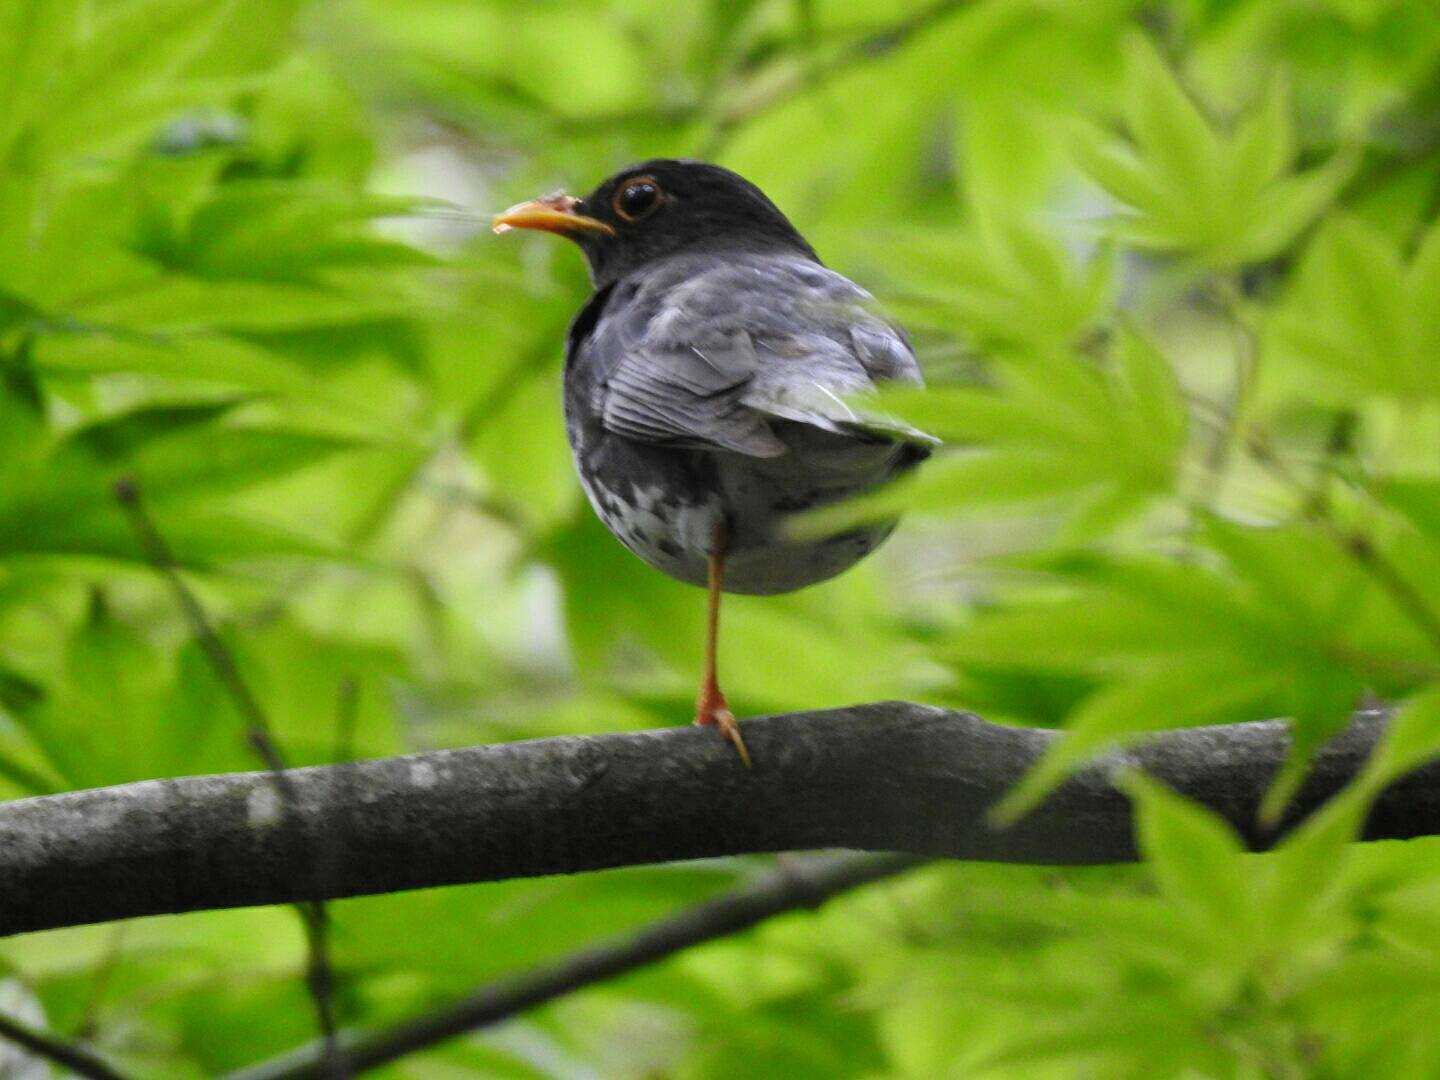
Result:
[{"x": 1174, "y": 271}]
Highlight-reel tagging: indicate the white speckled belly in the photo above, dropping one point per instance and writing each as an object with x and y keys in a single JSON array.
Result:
[{"x": 754, "y": 497}]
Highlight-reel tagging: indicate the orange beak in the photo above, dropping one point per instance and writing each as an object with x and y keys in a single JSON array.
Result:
[{"x": 553, "y": 213}]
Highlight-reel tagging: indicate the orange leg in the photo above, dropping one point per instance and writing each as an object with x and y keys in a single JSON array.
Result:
[{"x": 710, "y": 705}]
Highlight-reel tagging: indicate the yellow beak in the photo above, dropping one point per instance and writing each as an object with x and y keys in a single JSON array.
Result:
[{"x": 553, "y": 213}]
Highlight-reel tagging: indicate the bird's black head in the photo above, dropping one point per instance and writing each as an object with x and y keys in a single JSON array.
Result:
[{"x": 659, "y": 208}]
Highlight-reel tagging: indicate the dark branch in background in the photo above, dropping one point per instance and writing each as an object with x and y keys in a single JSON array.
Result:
[
  {"x": 81, "y": 1062},
  {"x": 816, "y": 74},
  {"x": 1358, "y": 545},
  {"x": 314, "y": 919},
  {"x": 104, "y": 971},
  {"x": 807, "y": 885},
  {"x": 890, "y": 776},
  {"x": 812, "y": 74},
  {"x": 157, "y": 552}
]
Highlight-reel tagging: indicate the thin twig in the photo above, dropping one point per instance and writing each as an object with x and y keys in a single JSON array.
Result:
[
  {"x": 85, "y": 1030},
  {"x": 1247, "y": 363},
  {"x": 222, "y": 662},
  {"x": 314, "y": 918},
  {"x": 1227, "y": 295},
  {"x": 1406, "y": 596},
  {"x": 873, "y": 43},
  {"x": 320, "y": 980},
  {"x": 796, "y": 887},
  {"x": 1359, "y": 546},
  {"x": 347, "y": 713},
  {"x": 62, "y": 1053},
  {"x": 816, "y": 74},
  {"x": 1352, "y": 541}
]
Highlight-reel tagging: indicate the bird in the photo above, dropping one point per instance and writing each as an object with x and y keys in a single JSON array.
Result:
[{"x": 710, "y": 387}]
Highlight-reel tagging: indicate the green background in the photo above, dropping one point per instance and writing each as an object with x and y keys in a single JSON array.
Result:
[{"x": 1173, "y": 271}]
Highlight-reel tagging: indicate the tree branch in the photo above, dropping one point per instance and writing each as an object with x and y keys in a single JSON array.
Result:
[
  {"x": 806, "y": 885},
  {"x": 890, "y": 776}
]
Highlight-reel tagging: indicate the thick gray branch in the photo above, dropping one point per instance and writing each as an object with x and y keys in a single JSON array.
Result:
[{"x": 890, "y": 776}]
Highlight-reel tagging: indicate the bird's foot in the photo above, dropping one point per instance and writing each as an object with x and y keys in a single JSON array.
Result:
[{"x": 711, "y": 710}]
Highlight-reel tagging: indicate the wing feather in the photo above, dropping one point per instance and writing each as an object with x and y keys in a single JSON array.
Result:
[{"x": 714, "y": 357}]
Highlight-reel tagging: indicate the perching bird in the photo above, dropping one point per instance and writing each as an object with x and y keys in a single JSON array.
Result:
[{"x": 709, "y": 385}]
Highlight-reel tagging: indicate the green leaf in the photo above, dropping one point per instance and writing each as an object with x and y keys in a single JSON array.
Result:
[
  {"x": 180, "y": 305},
  {"x": 204, "y": 358},
  {"x": 1117, "y": 168},
  {"x": 34, "y": 35},
  {"x": 1061, "y": 429},
  {"x": 111, "y": 676},
  {"x": 1422, "y": 282},
  {"x": 1225, "y": 199},
  {"x": 1412, "y": 738},
  {"x": 1303, "y": 877},
  {"x": 129, "y": 70},
  {"x": 1007, "y": 283},
  {"x": 1168, "y": 128},
  {"x": 1353, "y": 322},
  {"x": 1182, "y": 693},
  {"x": 1282, "y": 211},
  {"x": 1320, "y": 703},
  {"x": 1264, "y": 141},
  {"x": 1196, "y": 859},
  {"x": 1417, "y": 500},
  {"x": 121, "y": 436}
]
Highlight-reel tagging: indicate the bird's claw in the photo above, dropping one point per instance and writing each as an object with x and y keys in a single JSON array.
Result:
[{"x": 712, "y": 711}]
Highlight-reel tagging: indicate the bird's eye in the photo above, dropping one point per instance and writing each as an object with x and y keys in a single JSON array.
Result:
[{"x": 637, "y": 198}]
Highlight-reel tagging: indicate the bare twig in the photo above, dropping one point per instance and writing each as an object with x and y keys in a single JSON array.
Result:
[
  {"x": 105, "y": 970},
  {"x": 801, "y": 885},
  {"x": 1230, "y": 296},
  {"x": 1227, "y": 417},
  {"x": 1388, "y": 576},
  {"x": 1353, "y": 541},
  {"x": 1358, "y": 545},
  {"x": 81, "y": 1062},
  {"x": 812, "y": 75},
  {"x": 815, "y": 74},
  {"x": 319, "y": 976},
  {"x": 320, "y": 981},
  {"x": 222, "y": 662},
  {"x": 347, "y": 713}
]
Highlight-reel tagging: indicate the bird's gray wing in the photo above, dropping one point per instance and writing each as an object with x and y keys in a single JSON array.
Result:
[
  {"x": 712, "y": 356},
  {"x": 660, "y": 371},
  {"x": 822, "y": 379},
  {"x": 686, "y": 395}
]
